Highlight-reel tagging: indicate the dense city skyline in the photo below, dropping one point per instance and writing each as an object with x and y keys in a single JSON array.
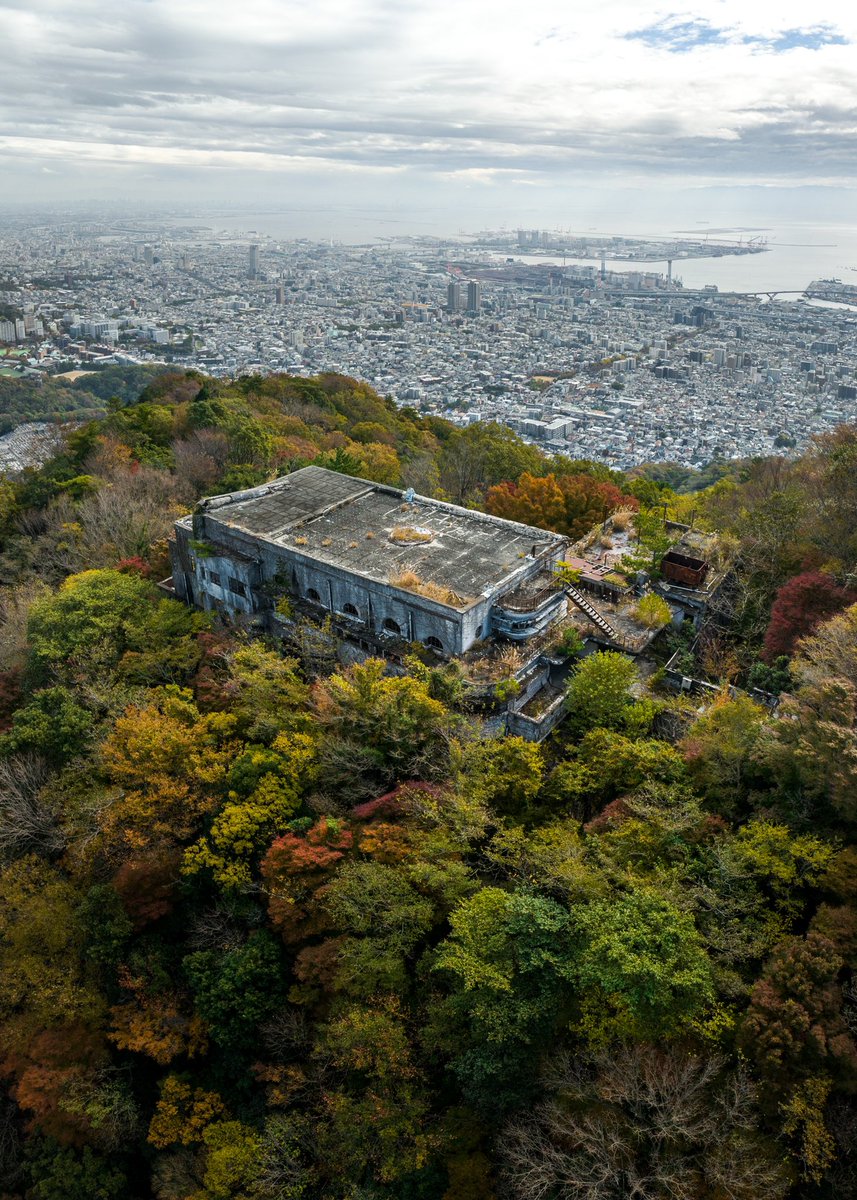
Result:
[{"x": 623, "y": 366}]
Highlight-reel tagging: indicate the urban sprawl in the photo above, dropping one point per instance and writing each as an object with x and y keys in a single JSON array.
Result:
[{"x": 623, "y": 366}]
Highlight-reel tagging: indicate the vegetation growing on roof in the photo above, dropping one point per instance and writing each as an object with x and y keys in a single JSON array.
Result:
[
  {"x": 410, "y": 533},
  {"x": 412, "y": 582}
]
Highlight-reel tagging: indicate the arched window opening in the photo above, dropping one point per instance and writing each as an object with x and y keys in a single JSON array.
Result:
[
  {"x": 350, "y": 611},
  {"x": 312, "y": 594},
  {"x": 391, "y": 627},
  {"x": 434, "y": 643}
]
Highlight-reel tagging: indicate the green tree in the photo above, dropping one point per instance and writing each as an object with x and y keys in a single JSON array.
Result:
[
  {"x": 509, "y": 962},
  {"x": 599, "y": 691},
  {"x": 266, "y": 693},
  {"x": 44, "y": 979},
  {"x": 481, "y": 455},
  {"x": 643, "y": 968},
  {"x": 59, "y": 1173},
  {"x": 233, "y": 1162},
  {"x": 52, "y": 724},
  {"x": 812, "y": 750},
  {"x": 552, "y": 858},
  {"x": 89, "y": 612},
  {"x": 379, "y": 729},
  {"x": 606, "y": 764},
  {"x": 384, "y": 917},
  {"x": 339, "y": 460},
  {"x": 830, "y": 474},
  {"x": 775, "y": 678},
  {"x": 106, "y": 925},
  {"x": 377, "y": 1114},
  {"x": 653, "y": 611},
  {"x": 250, "y": 442},
  {"x": 236, "y": 990},
  {"x": 658, "y": 831},
  {"x": 96, "y": 617},
  {"x": 720, "y": 752},
  {"x": 504, "y": 773},
  {"x": 786, "y": 865}
]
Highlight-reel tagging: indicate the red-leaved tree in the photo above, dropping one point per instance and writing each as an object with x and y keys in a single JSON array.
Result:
[
  {"x": 295, "y": 868},
  {"x": 802, "y": 604}
]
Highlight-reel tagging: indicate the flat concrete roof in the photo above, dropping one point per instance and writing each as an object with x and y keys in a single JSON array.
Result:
[{"x": 347, "y": 523}]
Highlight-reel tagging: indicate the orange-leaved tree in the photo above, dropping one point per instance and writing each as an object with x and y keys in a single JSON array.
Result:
[{"x": 569, "y": 504}]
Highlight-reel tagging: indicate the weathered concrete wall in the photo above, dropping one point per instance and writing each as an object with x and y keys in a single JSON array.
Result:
[
  {"x": 213, "y": 580},
  {"x": 380, "y": 606},
  {"x": 530, "y": 685},
  {"x": 232, "y": 583},
  {"x": 415, "y": 617},
  {"x": 536, "y": 729},
  {"x": 519, "y": 626},
  {"x": 701, "y": 687}
]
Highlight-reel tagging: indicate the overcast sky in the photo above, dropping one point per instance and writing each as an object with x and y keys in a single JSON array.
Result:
[{"x": 425, "y": 102}]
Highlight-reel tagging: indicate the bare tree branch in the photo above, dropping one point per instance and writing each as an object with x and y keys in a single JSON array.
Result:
[
  {"x": 26, "y": 821},
  {"x": 641, "y": 1123}
]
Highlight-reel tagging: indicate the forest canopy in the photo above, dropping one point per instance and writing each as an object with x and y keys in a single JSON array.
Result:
[{"x": 274, "y": 926}]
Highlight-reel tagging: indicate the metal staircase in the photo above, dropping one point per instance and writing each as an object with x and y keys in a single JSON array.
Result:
[{"x": 591, "y": 611}]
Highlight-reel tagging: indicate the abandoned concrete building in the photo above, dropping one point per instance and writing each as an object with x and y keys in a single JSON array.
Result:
[
  {"x": 387, "y": 565},
  {"x": 391, "y": 569}
]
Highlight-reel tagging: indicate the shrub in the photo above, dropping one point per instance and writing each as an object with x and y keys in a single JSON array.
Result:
[
  {"x": 599, "y": 691},
  {"x": 570, "y": 644},
  {"x": 565, "y": 572},
  {"x": 507, "y": 689},
  {"x": 653, "y": 611}
]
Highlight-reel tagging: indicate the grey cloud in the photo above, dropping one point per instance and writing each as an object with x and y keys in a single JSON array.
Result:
[{"x": 360, "y": 97}]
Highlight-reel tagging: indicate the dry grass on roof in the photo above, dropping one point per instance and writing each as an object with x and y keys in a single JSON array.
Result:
[
  {"x": 410, "y": 581},
  {"x": 408, "y": 533},
  {"x": 621, "y": 519}
]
